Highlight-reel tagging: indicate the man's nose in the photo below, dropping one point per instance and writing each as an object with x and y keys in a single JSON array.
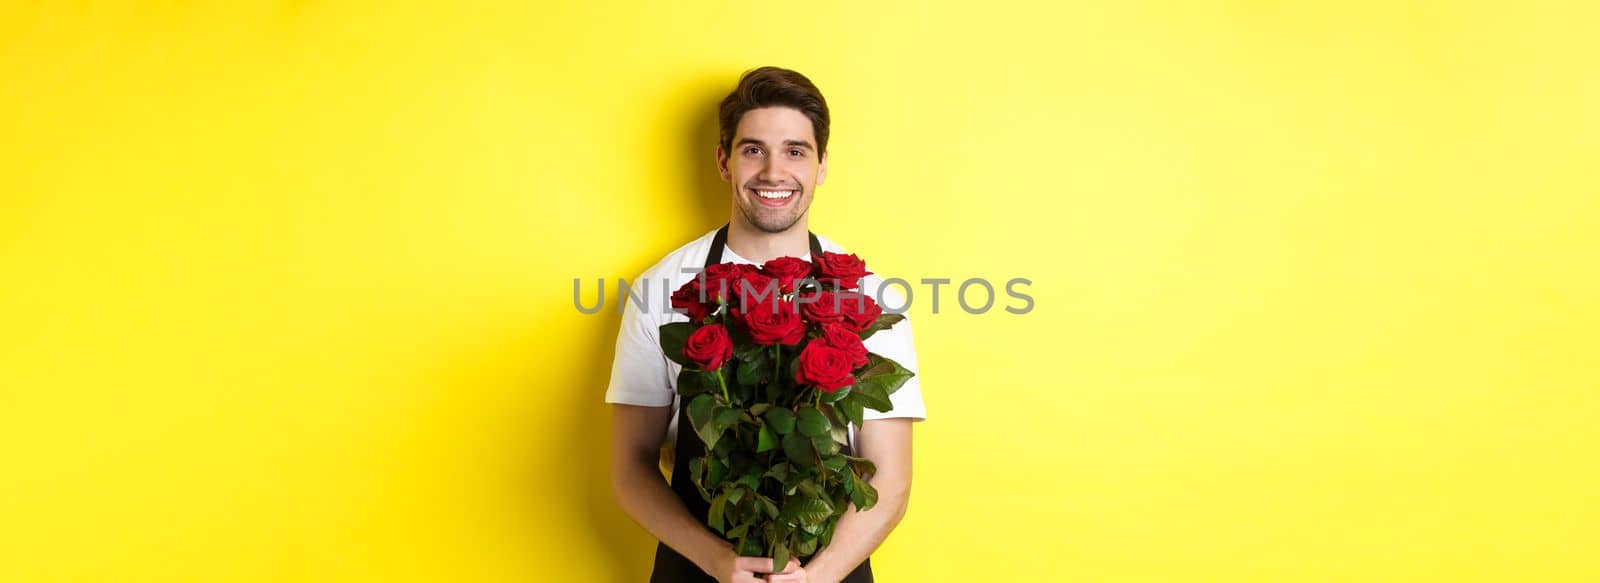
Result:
[{"x": 769, "y": 172}]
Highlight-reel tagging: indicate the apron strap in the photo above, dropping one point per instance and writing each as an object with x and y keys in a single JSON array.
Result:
[{"x": 714, "y": 255}]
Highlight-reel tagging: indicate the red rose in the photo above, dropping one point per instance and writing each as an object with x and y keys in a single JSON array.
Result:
[
  {"x": 846, "y": 270},
  {"x": 824, "y": 367},
  {"x": 860, "y": 310},
  {"x": 687, "y": 300},
  {"x": 787, "y": 270},
  {"x": 843, "y": 338},
  {"x": 824, "y": 308},
  {"x": 775, "y": 322},
  {"x": 708, "y": 347},
  {"x": 754, "y": 288},
  {"x": 721, "y": 281}
]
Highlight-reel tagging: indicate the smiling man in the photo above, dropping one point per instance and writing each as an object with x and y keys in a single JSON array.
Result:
[{"x": 773, "y": 154}]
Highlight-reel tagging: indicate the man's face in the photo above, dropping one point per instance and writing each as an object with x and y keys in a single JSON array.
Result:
[{"x": 774, "y": 167}]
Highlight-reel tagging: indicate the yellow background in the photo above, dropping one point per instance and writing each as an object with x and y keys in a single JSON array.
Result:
[{"x": 286, "y": 287}]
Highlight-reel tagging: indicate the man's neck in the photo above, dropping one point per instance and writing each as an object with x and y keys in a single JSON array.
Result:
[{"x": 760, "y": 246}]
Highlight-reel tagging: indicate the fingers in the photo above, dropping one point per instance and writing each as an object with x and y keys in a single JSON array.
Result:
[
  {"x": 792, "y": 573},
  {"x": 796, "y": 576},
  {"x": 757, "y": 565},
  {"x": 761, "y": 565}
]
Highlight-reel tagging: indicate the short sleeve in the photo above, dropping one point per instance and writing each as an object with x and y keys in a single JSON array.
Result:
[
  {"x": 896, "y": 344},
  {"x": 639, "y": 370}
]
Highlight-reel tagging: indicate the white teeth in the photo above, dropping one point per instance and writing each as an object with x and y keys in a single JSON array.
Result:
[{"x": 774, "y": 194}]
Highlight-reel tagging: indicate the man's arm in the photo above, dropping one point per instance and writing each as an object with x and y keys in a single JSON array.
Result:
[
  {"x": 887, "y": 442},
  {"x": 637, "y": 484}
]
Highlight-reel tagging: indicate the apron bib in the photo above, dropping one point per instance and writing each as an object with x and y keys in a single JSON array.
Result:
[{"x": 671, "y": 567}]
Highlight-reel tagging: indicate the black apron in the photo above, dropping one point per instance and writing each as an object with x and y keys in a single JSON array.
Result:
[{"x": 671, "y": 567}]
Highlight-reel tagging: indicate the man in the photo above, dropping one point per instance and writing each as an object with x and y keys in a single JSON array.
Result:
[{"x": 773, "y": 153}]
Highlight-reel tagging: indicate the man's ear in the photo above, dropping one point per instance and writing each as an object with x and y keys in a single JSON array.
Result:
[
  {"x": 822, "y": 170},
  {"x": 722, "y": 165}
]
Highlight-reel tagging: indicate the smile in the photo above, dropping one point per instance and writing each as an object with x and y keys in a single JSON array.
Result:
[{"x": 774, "y": 198}]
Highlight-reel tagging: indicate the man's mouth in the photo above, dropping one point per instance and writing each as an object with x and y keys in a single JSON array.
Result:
[{"x": 771, "y": 197}]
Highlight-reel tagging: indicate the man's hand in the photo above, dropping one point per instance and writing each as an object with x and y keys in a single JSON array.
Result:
[
  {"x": 736, "y": 569},
  {"x": 793, "y": 573}
]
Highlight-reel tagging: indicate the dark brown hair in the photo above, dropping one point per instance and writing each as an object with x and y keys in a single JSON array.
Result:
[{"x": 773, "y": 87}]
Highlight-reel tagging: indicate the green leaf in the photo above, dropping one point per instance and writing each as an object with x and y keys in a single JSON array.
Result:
[
  {"x": 827, "y": 534},
  {"x": 835, "y": 396},
  {"x": 714, "y": 518},
  {"x": 782, "y": 420},
  {"x": 779, "y": 471},
  {"x": 751, "y": 480},
  {"x": 753, "y": 547},
  {"x": 766, "y": 441},
  {"x": 796, "y": 475},
  {"x": 825, "y": 444},
  {"x": 852, "y": 410},
  {"x": 884, "y": 322},
  {"x": 697, "y": 469},
  {"x": 726, "y": 416},
  {"x": 700, "y": 409},
  {"x": 708, "y": 379},
  {"x": 724, "y": 448},
  {"x": 743, "y": 347},
  {"x": 863, "y": 466},
  {"x": 798, "y": 448},
  {"x": 808, "y": 489},
  {"x": 882, "y": 376},
  {"x": 835, "y": 463},
  {"x": 740, "y": 393},
  {"x": 864, "y": 496},
  {"x": 715, "y": 471},
  {"x": 768, "y": 507},
  {"x": 812, "y": 422},
  {"x": 871, "y": 394},
  {"x": 756, "y": 370},
  {"x": 689, "y": 384},
  {"x": 807, "y": 547},
  {"x": 710, "y": 426},
  {"x": 759, "y": 408},
  {"x": 839, "y": 431},
  {"x": 673, "y": 336},
  {"x": 878, "y": 365},
  {"x": 806, "y": 510},
  {"x": 780, "y": 554}
]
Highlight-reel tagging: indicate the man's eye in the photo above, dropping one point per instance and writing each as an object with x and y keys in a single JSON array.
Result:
[
  {"x": 752, "y": 150},
  {"x": 796, "y": 153}
]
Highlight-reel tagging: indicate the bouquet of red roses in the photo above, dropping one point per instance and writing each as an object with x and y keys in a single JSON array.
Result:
[{"x": 773, "y": 369}]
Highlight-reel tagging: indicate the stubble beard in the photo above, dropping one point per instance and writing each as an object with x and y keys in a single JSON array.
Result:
[{"x": 772, "y": 220}]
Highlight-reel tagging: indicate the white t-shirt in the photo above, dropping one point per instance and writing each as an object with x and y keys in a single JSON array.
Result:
[{"x": 642, "y": 375}]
